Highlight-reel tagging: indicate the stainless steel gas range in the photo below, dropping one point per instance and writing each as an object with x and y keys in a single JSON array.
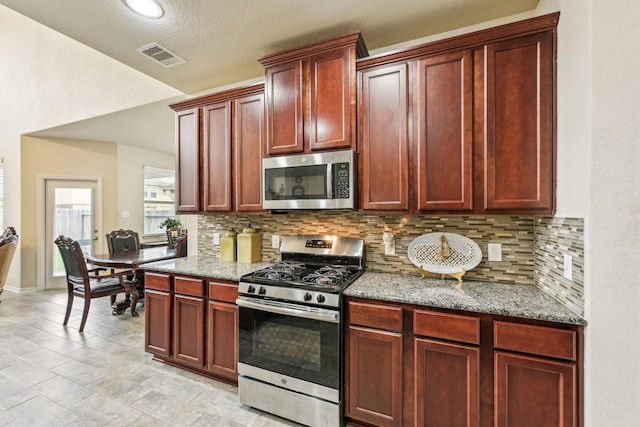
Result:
[{"x": 290, "y": 351}]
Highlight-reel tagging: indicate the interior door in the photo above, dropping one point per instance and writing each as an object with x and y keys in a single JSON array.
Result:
[{"x": 70, "y": 210}]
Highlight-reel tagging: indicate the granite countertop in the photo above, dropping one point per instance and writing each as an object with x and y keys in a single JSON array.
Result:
[
  {"x": 525, "y": 301},
  {"x": 205, "y": 267}
]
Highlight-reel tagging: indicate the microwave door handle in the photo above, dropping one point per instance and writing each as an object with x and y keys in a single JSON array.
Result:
[{"x": 330, "y": 181}]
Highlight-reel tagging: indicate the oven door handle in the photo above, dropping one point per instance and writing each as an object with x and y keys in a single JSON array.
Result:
[{"x": 287, "y": 311}]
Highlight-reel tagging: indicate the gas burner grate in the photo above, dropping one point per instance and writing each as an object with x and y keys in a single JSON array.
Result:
[
  {"x": 328, "y": 275},
  {"x": 281, "y": 271}
]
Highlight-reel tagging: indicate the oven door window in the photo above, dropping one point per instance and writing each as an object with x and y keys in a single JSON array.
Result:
[
  {"x": 301, "y": 348},
  {"x": 296, "y": 183}
]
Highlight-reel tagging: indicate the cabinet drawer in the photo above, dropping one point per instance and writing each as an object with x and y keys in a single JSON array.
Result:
[
  {"x": 188, "y": 286},
  {"x": 539, "y": 340},
  {"x": 159, "y": 282},
  {"x": 375, "y": 316},
  {"x": 446, "y": 326},
  {"x": 226, "y": 292}
]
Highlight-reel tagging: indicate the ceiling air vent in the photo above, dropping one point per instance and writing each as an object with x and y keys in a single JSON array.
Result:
[{"x": 161, "y": 55}]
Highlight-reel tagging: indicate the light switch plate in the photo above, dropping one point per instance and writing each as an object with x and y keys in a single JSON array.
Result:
[
  {"x": 125, "y": 214},
  {"x": 494, "y": 252},
  {"x": 275, "y": 241},
  {"x": 568, "y": 267},
  {"x": 216, "y": 238}
]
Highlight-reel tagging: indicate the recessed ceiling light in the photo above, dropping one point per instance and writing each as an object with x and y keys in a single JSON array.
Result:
[{"x": 146, "y": 8}]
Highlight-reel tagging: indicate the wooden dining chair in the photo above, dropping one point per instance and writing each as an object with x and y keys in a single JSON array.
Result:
[
  {"x": 88, "y": 283},
  {"x": 123, "y": 241},
  {"x": 180, "y": 245}
]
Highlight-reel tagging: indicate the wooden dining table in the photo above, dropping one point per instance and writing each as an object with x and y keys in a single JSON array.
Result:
[{"x": 131, "y": 260}]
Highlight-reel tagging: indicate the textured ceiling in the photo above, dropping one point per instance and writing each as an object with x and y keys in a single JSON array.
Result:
[{"x": 221, "y": 39}]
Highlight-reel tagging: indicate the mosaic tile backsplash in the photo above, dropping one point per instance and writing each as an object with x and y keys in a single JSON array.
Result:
[
  {"x": 515, "y": 233},
  {"x": 533, "y": 248},
  {"x": 554, "y": 238}
]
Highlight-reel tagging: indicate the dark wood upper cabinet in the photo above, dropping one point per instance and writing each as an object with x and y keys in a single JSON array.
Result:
[
  {"x": 331, "y": 94},
  {"x": 481, "y": 116},
  {"x": 444, "y": 132},
  {"x": 227, "y": 129},
  {"x": 217, "y": 157},
  {"x": 311, "y": 96},
  {"x": 284, "y": 108},
  {"x": 188, "y": 160},
  {"x": 248, "y": 143},
  {"x": 384, "y": 141},
  {"x": 520, "y": 143}
]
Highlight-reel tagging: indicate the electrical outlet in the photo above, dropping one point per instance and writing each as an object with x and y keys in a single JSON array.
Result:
[
  {"x": 275, "y": 241},
  {"x": 216, "y": 238},
  {"x": 568, "y": 267},
  {"x": 494, "y": 252},
  {"x": 390, "y": 249}
]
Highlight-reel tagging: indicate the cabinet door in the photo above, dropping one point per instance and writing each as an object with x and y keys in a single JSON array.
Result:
[
  {"x": 519, "y": 145},
  {"x": 385, "y": 150},
  {"x": 188, "y": 160},
  {"x": 222, "y": 339},
  {"x": 249, "y": 141},
  {"x": 374, "y": 376},
  {"x": 446, "y": 384},
  {"x": 284, "y": 108},
  {"x": 217, "y": 157},
  {"x": 331, "y": 92},
  {"x": 157, "y": 322},
  {"x": 531, "y": 391},
  {"x": 444, "y": 124},
  {"x": 188, "y": 324}
]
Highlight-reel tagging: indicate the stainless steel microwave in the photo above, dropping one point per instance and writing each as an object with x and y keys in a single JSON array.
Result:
[{"x": 310, "y": 181}]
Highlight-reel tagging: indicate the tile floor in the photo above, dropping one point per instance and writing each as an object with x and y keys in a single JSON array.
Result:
[{"x": 52, "y": 375}]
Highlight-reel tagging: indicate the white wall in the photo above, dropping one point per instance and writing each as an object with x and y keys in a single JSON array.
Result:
[
  {"x": 47, "y": 79},
  {"x": 613, "y": 229},
  {"x": 599, "y": 179}
]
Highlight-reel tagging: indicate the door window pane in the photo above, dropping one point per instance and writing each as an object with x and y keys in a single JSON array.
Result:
[{"x": 72, "y": 218}]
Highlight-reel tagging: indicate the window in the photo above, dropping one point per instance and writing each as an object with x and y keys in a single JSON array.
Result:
[{"x": 159, "y": 197}]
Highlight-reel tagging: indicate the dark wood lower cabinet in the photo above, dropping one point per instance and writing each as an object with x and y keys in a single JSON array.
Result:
[
  {"x": 415, "y": 366},
  {"x": 157, "y": 322},
  {"x": 157, "y": 314},
  {"x": 188, "y": 338},
  {"x": 446, "y": 384},
  {"x": 222, "y": 339},
  {"x": 375, "y": 376},
  {"x": 532, "y": 391},
  {"x": 192, "y": 323}
]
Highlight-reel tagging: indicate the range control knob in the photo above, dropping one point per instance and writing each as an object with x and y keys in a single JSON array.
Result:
[
  {"x": 307, "y": 296},
  {"x": 251, "y": 289},
  {"x": 320, "y": 298},
  {"x": 262, "y": 290}
]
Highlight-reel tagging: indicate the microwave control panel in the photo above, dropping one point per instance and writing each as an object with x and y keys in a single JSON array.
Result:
[{"x": 341, "y": 180}]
